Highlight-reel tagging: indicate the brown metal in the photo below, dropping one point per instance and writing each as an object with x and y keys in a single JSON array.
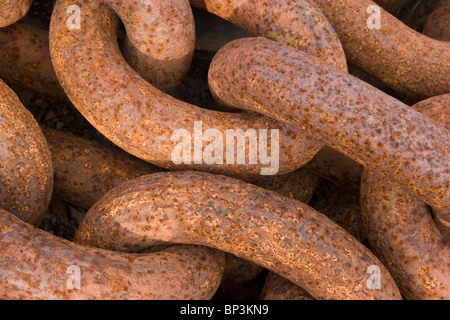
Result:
[
  {"x": 160, "y": 39},
  {"x": 85, "y": 171},
  {"x": 299, "y": 24},
  {"x": 403, "y": 235},
  {"x": 37, "y": 265},
  {"x": 438, "y": 24},
  {"x": 13, "y": 10},
  {"x": 25, "y": 60},
  {"x": 279, "y": 288},
  {"x": 273, "y": 231},
  {"x": 298, "y": 185},
  {"x": 26, "y": 173},
  {"x": 437, "y": 109},
  {"x": 337, "y": 168},
  {"x": 135, "y": 115},
  {"x": 401, "y": 229},
  {"x": 341, "y": 206},
  {"x": 404, "y": 59},
  {"x": 349, "y": 115}
]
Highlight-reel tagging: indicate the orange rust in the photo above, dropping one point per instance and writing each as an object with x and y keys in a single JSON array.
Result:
[
  {"x": 26, "y": 173},
  {"x": 438, "y": 24},
  {"x": 279, "y": 288},
  {"x": 401, "y": 229},
  {"x": 273, "y": 231},
  {"x": 37, "y": 265},
  {"x": 299, "y": 24},
  {"x": 404, "y": 59},
  {"x": 349, "y": 115},
  {"x": 13, "y": 10}
]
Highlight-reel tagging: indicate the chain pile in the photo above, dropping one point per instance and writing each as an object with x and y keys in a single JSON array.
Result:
[{"x": 355, "y": 205}]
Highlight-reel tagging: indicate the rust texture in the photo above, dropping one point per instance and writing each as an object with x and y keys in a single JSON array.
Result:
[
  {"x": 85, "y": 171},
  {"x": 403, "y": 235},
  {"x": 35, "y": 265},
  {"x": 341, "y": 206},
  {"x": 160, "y": 39},
  {"x": 25, "y": 59},
  {"x": 437, "y": 109},
  {"x": 401, "y": 229},
  {"x": 279, "y": 288},
  {"x": 298, "y": 185},
  {"x": 336, "y": 167},
  {"x": 404, "y": 59},
  {"x": 238, "y": 274},
  {"x": 261, "y": 226},
  {"x": 438, "y": 24},
  {"x": 13, "y": 10},
  {"x": 299, "y": 24},
  {"x": 135, "y": 115},
  {"x": 346, "y": 113},
  {"x": 26, "y": 173}
]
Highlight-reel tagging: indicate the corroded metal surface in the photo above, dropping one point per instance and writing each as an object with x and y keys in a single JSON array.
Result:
[
  {"x": 25, "y": 59},
  {"x": 438, "y": 24},
  {"x": 404, "y": 59},
  {"x": 273, "y": 231},
  {"x": 38, "y": 265},
  {"x": 238, "y": 274},
  {"x": 401, "y": 229},
  {"x": 13, "y": 10},
  {"x": 26, "y": 173},
  {"x": 299, "y": 24},
  {"x": 341, "y": 206},
  {"x": 349, "y": 115},
  {"x": 437, "y": 109},
  {"x": 404, "y": 236},
  {"x": 298, "y": 185},
  {"x": 135, "y": 115},
  {"x": 160, "y": 39},
  {"x": 279, "y": 288},
  {"x": 85, "y": 171},
  {"x": 336, "y": 167}
]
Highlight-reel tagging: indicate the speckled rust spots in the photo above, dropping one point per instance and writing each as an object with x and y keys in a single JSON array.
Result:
[
  {"x": 13, "y": 10},
  {"x": 404, "y": 236},
  {"x": 25, "y": 59},
  {"x": 85, "y": 171},
  {"x": 341, "y": 206},
  {"x": 334, "y": 166},
  {"x": 405, "y": 60},
  {"x": 438, "y": 24},
  {"x": 26, "y": 173},
  {"x": 402, "y": 231},
  {"x": 34, "y": 265},
  {"x": 276, "y": 232},
  {"x": 122, "y": 102},
  {"x": 299, "y": 24},
  {"x": 415, "y": 151},
  {"x": 437, "y": 109},
  {"x": 160, "y": 39},
  {"x": 83, "y": 187},
  {"x": 279, "y": 288}
]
